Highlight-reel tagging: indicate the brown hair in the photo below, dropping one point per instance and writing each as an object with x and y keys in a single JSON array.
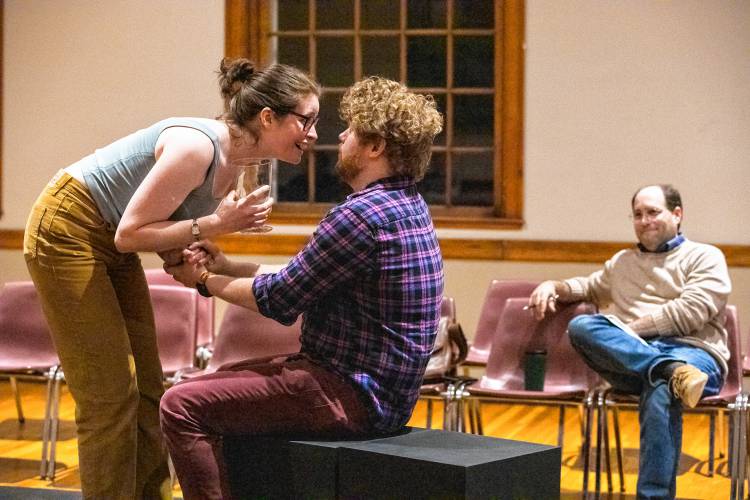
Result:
[
  {"x": 247, "y": 90},
  {"x": 378, "y": 108}
]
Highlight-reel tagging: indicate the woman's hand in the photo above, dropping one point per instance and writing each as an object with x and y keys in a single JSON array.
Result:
[
  {"x": 244, "y": 212},
  {"x": 207, "y": 254},
  {"x": 187, "y": 273},
  {"x": 171, "y": 257}
]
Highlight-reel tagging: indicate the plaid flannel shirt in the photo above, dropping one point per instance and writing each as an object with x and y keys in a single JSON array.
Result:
[{"x": 370, "y": 285}]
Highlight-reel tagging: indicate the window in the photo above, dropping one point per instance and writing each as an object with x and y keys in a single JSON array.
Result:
[{"x": 466, "y": 53}]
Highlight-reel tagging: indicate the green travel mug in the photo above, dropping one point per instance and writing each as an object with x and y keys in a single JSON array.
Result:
[{"x": 534, "y": 366}]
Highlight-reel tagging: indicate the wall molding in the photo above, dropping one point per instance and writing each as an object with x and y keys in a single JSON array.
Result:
[{"x": 452, "y": 248}]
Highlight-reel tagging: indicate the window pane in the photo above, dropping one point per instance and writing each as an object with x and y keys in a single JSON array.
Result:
[
  {"x": 440, "y": 102},
  {"x": 293, "y": 51},
  {"x": 432, "y": 187},
  {"x": 330, "y": 125},
  {"x": 335, "y": 61},
  {"x": 472, "y": 179},
  {"x": 292, "y": 15},
  {"x": 425, "y": 14},
  {"x": 291, "y": 181},
  {"x": 473, "y": 120},
  {"x": 473, "y": 61},
  {"x": 380, "y": 14},
  {"x": 328, "y": 187},
  {"x": 334, "y": 14},
  {"x": 380, "y": 56},
  {"x": 426, "y": 61},
  {"x": 473, "y": 14}
]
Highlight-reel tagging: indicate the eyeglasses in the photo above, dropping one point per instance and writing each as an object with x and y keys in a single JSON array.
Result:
[{"x": 308, "y": 122}]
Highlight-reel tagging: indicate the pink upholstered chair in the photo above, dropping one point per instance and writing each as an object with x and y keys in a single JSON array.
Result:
[
  {"x": 494, "y": 302},
  {"x": 175, "y": 315},
  {"x": 246, "y": 334},
  {"x": 206, "y": 306},
  {"x": 568, "y": 379},
  {"x": 27, "y": 352}
]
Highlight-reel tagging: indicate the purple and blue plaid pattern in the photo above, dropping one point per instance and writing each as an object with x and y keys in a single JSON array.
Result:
[{"x": 370, "y": 284}]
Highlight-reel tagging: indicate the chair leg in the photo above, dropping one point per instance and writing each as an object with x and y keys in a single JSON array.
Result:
[
  {"x": 428, "y": 422},
  {"x": 711, "y": 442},
  {"x": 17, "y": 397},
  {"x": 605, "y": 432},
  {"x": 561, "y": 427},
  {"x": 54, "y": 425},
  {"x": 47, "y": 422},
  {"x": 588, "y": 406},
  {"x": 720, "y": 429},
  {"x": 478, "y": 414},
  {"x": 618, "y": 446},
  {"x": 600, "y": 410}
]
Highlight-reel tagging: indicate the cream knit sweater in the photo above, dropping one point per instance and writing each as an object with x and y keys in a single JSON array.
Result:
[{"x": 684, "y": 291}]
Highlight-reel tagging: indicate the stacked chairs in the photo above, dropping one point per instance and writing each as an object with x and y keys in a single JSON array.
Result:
[
  {"x": 497, "y": 294},
  {"x": 27, "y": 352},
  {"x": 730, "y": 398},
  {"x": 568, "y": 381},
  {"x": 445, "y": 388}
]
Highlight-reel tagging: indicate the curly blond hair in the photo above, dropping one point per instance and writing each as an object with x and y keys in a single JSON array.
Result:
[{"x": 378, "y": 108}]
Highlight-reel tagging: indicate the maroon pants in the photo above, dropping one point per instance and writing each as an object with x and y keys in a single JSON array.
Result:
[{"x": 286, "y": 395}]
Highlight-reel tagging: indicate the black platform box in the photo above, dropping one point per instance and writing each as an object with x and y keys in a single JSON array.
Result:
[
  {"x": 414, "y": 464},
  {"x": 440, "y": 464}
]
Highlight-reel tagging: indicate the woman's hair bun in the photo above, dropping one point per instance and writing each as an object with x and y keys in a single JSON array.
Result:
[{"x": 233, "y": 73}]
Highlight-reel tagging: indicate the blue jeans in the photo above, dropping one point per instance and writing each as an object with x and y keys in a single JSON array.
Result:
[{"x": 627, "y": 364}]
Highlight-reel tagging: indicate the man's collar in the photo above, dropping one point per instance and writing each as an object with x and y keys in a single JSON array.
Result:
[
  {"x": 666, "y": 246},
  {"x": 393, "y": 182}
]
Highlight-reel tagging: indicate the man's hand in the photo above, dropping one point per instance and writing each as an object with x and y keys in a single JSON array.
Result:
[
  {"x": 543, "y": 299},
  {"x": 207, "y": 254}
]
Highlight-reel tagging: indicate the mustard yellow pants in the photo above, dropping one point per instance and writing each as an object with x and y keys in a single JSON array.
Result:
[{"x": 97, "y": 304}]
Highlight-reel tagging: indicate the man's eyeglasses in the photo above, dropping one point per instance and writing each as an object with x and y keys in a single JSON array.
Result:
[
  {"x": 647, "y": 216},
  {"x": 308, "y": 122}
]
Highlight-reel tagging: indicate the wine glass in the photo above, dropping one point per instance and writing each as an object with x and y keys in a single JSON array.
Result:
[{"x": 257, "y": 173}]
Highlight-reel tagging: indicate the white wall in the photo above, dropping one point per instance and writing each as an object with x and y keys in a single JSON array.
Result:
[{"x": 618, "y": 94}]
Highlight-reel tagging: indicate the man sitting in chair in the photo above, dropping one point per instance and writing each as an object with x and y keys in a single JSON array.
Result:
[
  {"x": 369, "y": 285},
  {"x": 665, "y": 340}
]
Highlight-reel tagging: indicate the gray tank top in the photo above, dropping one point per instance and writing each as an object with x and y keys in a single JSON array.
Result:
[{"x": 114, "y": 172}]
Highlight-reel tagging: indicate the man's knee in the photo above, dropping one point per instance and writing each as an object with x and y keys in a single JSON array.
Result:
[
  {"x": 171, "y": 408},
  {"x": 580, "y": 329}
]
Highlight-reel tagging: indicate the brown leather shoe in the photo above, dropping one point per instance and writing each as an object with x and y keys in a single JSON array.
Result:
[{"x": 687, "y": 384}]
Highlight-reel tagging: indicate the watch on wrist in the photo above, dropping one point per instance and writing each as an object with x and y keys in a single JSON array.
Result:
[
  {"x": 195, "y": 230},
  {"x": 201, "y": 284}
]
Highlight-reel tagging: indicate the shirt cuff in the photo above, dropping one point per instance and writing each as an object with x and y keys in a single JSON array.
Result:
[
  {"x": 577, "y": 291},
  {"x": 662, "y": 323}
]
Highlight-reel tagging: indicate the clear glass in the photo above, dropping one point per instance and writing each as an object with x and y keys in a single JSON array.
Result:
[{"x": 257, "y": 173}]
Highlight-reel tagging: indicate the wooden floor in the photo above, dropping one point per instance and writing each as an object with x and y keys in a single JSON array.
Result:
[{"x": 20, "y": 447}]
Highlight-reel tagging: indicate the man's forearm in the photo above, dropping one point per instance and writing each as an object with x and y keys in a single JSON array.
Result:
[{"x": 237, "y": 291}]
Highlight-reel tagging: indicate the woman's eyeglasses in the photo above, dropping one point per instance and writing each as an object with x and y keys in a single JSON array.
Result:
[{"x": 308, "y": 122}]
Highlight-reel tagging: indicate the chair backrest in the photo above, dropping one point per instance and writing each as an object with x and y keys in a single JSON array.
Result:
[
  {"x": 448, "y": 308},
  {"x": 494, "y": 302},
  {"x": 175, "y": 315},
  {"x": 733, "y": 383},
  {"x": 518, "y": 332},
  {"x": 246, "y": 334},
  {"x": 206, "y": 306},
  {"x": 25, "y": 340}
]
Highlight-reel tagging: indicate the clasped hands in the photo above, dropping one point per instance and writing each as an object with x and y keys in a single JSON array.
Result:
[{"x": 200, "y": 256}]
